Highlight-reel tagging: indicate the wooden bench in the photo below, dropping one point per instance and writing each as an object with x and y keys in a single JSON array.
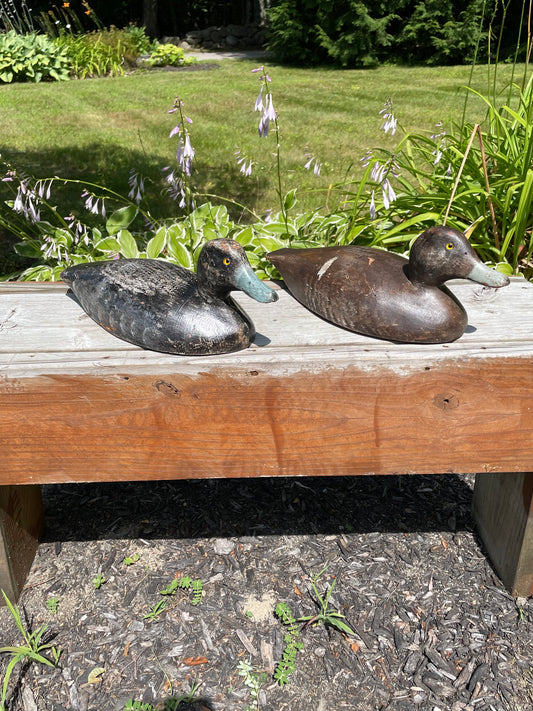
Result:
[{"x": 308, "y": 398}]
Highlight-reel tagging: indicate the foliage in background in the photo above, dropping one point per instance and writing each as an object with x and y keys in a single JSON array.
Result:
[
  {"x": 31, "y": 57},
  {"x": 168, "y": 55},
  {"x": 422, "y": 181},
  {"x": 355, "y": 33}
]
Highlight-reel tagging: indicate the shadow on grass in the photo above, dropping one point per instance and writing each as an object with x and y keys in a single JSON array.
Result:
[
  {"x": 249, "y": 507},
  {"x": 110, "y": 166}
]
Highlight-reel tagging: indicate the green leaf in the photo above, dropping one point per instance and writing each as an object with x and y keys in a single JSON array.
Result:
[
  {"x": 108, "y": 244},
  {"x": 128, "y": 245},
  {"x": 121, "y": 219},
  {"x": 179, "y": 252},
  {"x": 289, "y": 201},
  {"x": 341, "y": 625},
  {"x": 270, "y": 244},
  {"x": 156, "y": 244}
]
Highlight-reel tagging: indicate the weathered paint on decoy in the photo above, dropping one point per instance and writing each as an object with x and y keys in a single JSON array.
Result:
[
  {"x": 384, "y": 295},
  {"x": 164, "y": 307}
]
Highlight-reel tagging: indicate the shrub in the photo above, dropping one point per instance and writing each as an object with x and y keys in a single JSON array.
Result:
[
  {"x": 98, "y": 53},
  {"x": 361, "y": 33},
  {"x": 31, "y": 57},
  {"x": 168, "y": 55}
]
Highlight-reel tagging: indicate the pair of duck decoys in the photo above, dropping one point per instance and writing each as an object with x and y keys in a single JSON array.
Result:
[{"x": 163, "y": 307}]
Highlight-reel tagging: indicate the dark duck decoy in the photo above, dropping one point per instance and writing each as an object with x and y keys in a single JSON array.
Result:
[
  {"x": 164, "y": 307},
  {"x": 381, "y": 294}
]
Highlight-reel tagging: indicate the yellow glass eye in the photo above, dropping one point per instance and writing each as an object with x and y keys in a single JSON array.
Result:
[
  {"x": 227, "y": 261},
  {"x": 450, "y": 245}
]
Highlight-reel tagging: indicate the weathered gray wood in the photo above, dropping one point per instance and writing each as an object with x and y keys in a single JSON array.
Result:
[
  {"x": 21, "y": 520},
  {"x": 503, "y": 502},
  {"x": 42, "y": 332}
]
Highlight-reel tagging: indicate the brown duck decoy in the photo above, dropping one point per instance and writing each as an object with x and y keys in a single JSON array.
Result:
[
  {"x": 164, "y": 307},
  {"x": 381, "y": 294}
]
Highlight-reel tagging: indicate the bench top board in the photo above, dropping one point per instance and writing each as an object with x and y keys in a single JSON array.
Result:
[{"x": 77, "y": 404}]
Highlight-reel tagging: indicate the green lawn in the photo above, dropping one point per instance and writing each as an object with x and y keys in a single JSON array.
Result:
[{"x": 98, "y": 129}]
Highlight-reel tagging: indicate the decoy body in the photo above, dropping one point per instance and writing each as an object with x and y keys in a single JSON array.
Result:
[
  {"x": 381, "y": 294},
  {"x": 164, "y": 307}
]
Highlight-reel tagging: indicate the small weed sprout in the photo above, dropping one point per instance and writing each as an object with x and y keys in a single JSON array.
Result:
[
  {"x": 52, "y": 604},
  {"x": 286, "y": 666},
  {"x": 155, "y": 611},
  {"x": 130, "y": 560},
  {"x": 31, "y": 650},
  {"x": 186, "y": 583},
  {"x": 326, "y": 615},
  {"x": 253, "y": 679},
  {"x": 98, "y": 581}
]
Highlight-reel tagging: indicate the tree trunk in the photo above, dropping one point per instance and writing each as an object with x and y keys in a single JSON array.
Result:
[{"x": 150, "y": 18}]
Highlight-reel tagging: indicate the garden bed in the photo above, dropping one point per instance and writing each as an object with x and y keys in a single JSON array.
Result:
[{"x": 434, "y": 627}]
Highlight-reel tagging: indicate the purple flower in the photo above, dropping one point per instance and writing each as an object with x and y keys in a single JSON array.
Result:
[
  {"x": 390, "y": 121},
  {"x": 312, "y": 161},
  {"x": 136, "y": 183},
  {"x": 372, "y": 208},
  {"x": 184, "y": 151},
  {"x": 93, "y": 204},
  {"x": 244, "y": 163}
]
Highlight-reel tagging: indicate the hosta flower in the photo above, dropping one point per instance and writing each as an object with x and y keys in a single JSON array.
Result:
[
  {"x": 440, "y": 140},
  {"x": 93, "y": 204},
  {"x": 312, "y": 162},
  {"x": 244, "y": 163},
  {"x": 381, "y": 174},
  {"x": 136, "y": 183},
  {"x": 184, "y": 151},
  {"x": 390, "y": 121},
  {"x": 266, "y": 107},
  {"x": 26, "y": 202}
]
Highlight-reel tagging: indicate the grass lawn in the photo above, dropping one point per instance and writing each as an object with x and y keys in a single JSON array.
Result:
[{"x": 99, "y": 129}]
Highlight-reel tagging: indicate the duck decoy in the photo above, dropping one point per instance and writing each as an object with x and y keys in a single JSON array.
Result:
[
  {"x": 164, "y": 307},
  {"x": 384, "y": 295}
]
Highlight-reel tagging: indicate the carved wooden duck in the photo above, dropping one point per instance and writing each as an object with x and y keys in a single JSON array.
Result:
[
  {"x": 381, "y": 294},
  {"x": 164, "y": 307}
]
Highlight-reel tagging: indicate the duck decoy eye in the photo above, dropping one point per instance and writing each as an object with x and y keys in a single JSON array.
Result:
[
  {"x": 227, "y": 261},
  {"x": 450, "y": 245}
]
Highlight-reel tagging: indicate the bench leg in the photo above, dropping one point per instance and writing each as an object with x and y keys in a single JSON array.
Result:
[
  {"x": 503, "y": 509},
  {"x": 21, "y": 521}
]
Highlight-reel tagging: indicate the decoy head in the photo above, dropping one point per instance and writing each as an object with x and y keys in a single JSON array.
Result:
[
  {"x": 223, "y": 267},
  {"x": 441, "y": 253}
]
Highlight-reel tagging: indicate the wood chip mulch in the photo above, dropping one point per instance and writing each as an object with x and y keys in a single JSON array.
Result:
[{"x": 434, "y": 629}]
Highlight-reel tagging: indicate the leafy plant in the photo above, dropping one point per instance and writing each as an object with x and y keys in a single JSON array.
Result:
[
  {"x": 253, "y": 679},
  {"x": 96, "y": 53},
  {"x": 326, "y": 615},
  {"x": 155, "y": 611},
  {"x": 186, "y": 583},
  {"x": 98, "y": 581},
  {"x": 479, "y": 176},
  {"x": 171, "y": 704},
  {"x": 168, "y": 55},
  {"x": 130, "y": 560},
  {"x": 52, "y": 604},
  {"x": 31, "y": 57},
  {"x": 286, "y": 666},
  {"x": 31, "y": 650}
]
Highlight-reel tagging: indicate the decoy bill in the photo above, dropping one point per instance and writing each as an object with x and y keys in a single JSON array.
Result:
[
  {"x": 384, "y": 295},
  {"x": 164, "y": 307}
]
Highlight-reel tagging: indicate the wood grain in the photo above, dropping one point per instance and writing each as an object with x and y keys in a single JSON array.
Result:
[
  {"x": 504, "y": 503},
  {"x": 21, "y": 520},
  {"x": 77, "y": 404}
]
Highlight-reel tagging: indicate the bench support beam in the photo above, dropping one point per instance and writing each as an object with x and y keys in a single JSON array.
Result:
[
  {"x": 21, "y": 522},
  {"x": 503, "y": 509}
]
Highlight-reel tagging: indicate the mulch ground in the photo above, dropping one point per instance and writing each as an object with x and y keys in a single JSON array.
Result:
[{"x": 434, "y": 629}]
